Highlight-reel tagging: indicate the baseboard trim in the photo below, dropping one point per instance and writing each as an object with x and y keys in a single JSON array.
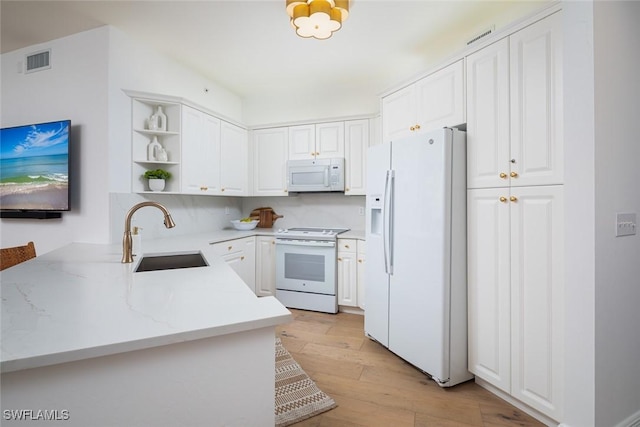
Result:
[{"x": 631, "y": 421}]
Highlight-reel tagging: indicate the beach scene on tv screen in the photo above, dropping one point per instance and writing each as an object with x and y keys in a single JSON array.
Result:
[{"x": 34, "y": 167}]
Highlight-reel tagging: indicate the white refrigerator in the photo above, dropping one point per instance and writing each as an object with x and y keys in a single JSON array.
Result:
[{"x": 415, "y": 274}]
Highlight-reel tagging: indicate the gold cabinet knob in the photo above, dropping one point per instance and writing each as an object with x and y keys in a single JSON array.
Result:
[
  {"x": 222, "y": 189},
  {"x": 312, "y": 154},
  {"x": 514, "y": 174},
  {"x": 241, "y": 258},
  {"x": 359, "y": 260},
  {"x": 229, "y": 248},
  {"x": 417, "y": 127},
  {"x": 346, "y": 246},
  {"x": 503, "y": 199},
  {"x": 513, "y": 198},
  {"x": 503, "y": 175},
  {"x": 412, "y": 128},
  {"x": 339, "y": 259}
]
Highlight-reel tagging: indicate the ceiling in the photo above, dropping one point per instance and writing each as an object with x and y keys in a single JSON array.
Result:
[{"x": 250, "y": 48}]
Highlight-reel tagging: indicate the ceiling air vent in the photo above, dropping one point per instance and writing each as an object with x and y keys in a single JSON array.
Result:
[
  {"x": 38, "y": 61},
  {"x": 485, "y": 33}
]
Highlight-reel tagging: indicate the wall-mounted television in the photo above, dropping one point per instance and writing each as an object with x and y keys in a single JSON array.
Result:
[{"x": 34, "y": 170}]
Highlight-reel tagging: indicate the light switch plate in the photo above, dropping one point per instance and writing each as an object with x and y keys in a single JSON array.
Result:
[{"x": 626, "y": 224}]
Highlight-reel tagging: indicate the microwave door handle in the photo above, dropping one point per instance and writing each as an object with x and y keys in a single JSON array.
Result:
[{"x": 326, "y": 176}]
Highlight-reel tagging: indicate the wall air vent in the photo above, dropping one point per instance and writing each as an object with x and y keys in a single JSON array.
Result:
[
  {"x": 482, "y": 34},
  {"x": 38, "y": 61}
]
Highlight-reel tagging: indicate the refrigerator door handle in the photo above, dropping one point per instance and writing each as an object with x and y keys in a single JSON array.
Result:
[{"x": 387, "y": 221}]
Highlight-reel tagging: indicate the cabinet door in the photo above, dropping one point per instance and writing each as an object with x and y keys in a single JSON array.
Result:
[
  {"x": 537, "y": 297},
  {"x": 270, "y": 151},
  {"x": 360, "y": 285},
  {"x": 265, "y": 266},
  {"x": 489, "y": 297},
  {"x": 440, "y": 98},
  {"x": 347, "y": 273},
  {"x": 536, "y": 103},
  {"x": 240, "y": 255},
  {"x": 356, "y": 144},
  {"x": 488, "y": 151},
  {"x": 234, "y": 151},
  {"x": 398, "y": 114},
  {"x": 329, "y": 140},
  {"x": 302, "y": 142},
  {"x": 200, "y": 152}
]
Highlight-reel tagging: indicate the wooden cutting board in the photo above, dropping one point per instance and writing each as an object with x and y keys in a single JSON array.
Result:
[{"x": 266, "y": 216}]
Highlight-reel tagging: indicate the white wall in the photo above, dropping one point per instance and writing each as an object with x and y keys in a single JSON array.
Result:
[
  {"x": 579, "y": 142},
  {"x": 602, "y": 94},
  {"x": 617, "y": 177},
  {"x": 74, "y": 88}
]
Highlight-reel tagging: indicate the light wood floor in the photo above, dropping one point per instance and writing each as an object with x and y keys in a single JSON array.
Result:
[{"x": 373, "y": 387}]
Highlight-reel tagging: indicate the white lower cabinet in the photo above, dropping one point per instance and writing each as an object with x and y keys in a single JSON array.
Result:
[
  {"x": 360, "y": 272},
  {"x": 516, "y": 292},
  {"x": 347, "y": 272},
  {"x": 240, "y": 254},
  {"x": 265, "y": 266}
]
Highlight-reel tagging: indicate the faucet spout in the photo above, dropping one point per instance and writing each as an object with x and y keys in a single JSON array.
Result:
[{"x": 127, "y": 239}]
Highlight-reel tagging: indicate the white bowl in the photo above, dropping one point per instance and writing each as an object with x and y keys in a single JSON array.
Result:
[{"x": 239, "y": 225}]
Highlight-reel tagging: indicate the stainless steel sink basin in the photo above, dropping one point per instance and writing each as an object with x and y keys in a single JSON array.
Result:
[{"x": 171, "y": 261}]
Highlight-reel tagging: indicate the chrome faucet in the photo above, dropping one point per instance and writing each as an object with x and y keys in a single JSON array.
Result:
[{"x": 127, "y": 255}]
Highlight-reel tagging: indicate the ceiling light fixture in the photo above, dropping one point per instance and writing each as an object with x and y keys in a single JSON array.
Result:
[{"x": 317, "y": 18}]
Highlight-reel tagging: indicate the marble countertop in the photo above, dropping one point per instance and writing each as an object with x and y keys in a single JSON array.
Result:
[{"x": 80, "y": 301}]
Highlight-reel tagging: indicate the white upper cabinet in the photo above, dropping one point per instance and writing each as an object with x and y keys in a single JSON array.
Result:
[
  {"x": 329, "y": 140},
  {"x": 355, "y": 146},
  {"x": 488, "y": 152},
  {"x": 270, "y": 152},
  {"x": 514, "y": 109},
  {"x": 234, "y": 154},
  {"x": 432, "y": 102},
  {"x": 200, "y": 152},
  {"x": 536, "y": 103},
  {"x": 323, "y": 140},
  {"x": 302, "y": 142}
]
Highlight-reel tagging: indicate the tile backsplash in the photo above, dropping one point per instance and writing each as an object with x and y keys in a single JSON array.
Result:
[{"x": 195, "y": 214}]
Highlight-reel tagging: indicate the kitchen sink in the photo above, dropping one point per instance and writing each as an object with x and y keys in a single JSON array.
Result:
[{"x": 171, "y": 261}]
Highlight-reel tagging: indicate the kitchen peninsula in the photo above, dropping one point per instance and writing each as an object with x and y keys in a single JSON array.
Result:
[{"x": 89, "y": 342}]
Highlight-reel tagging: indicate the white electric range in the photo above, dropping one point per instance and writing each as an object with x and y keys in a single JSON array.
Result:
[{"x": 306, "y": 268}]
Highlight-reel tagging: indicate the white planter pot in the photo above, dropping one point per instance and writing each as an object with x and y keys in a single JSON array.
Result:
[{"x": 156, "y": 184}]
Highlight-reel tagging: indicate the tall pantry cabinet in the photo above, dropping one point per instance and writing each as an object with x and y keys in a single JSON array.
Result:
[{"x": 515, "y": 215}]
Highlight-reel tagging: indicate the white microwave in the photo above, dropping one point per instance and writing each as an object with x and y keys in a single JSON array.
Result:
[{"x": 319, "y": 175}]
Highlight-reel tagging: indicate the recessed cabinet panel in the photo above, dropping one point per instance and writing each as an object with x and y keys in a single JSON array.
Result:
[
  {"x": 398, "y": 114},
  {"x": 440, "y": 98},
  {"x": 537, "y": 297},
  {"x": 302, "y": 142},
  {"x": 356, "y": 144},
  {"x": 536, "y": 102},
  {"x": 234, "y": 152},
  {"x": 329, "y": 140},
  {"x": 489, "y": 294},
  {"x": 488, "y": 152},
  {"x": 200, "y": 152},
  {"x": 270, "y": 150}
]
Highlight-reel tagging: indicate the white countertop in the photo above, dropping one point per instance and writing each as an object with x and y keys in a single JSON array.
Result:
[{"x": 80, "y": 301}]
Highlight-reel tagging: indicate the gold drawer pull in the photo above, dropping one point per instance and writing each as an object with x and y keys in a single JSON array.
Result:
[
  {"x": 346, "y": 246},
  {"x": 241, "y": 258},
  {"x": 229, "y": 248}
]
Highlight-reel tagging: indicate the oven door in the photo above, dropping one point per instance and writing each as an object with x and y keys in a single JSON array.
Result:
[{"x": 306, "y": 266}]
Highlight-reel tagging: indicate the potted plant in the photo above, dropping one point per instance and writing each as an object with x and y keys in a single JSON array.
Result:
[{"x": 157, "y": 178}]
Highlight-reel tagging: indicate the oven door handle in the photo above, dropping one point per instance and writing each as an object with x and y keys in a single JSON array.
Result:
[{"x": 316, "y": 243}]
